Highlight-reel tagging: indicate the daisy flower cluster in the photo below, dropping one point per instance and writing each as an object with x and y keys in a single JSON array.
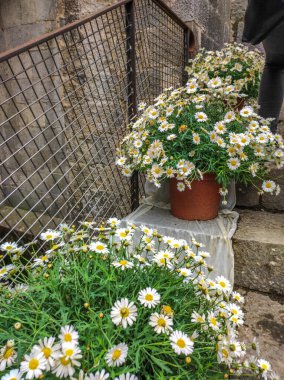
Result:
[
  {"x": 193, "y": 130},
  {"x": 123, "y": 302},
  {"x": 235, "y": 64}
]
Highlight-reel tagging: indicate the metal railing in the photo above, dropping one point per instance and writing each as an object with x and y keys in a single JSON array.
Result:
[{"x": 66, "y": 99}]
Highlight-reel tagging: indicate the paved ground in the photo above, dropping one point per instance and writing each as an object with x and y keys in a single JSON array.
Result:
[{"x": 265, "y": 320}]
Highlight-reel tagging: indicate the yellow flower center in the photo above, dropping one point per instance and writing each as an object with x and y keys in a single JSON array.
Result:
[
  {"x": 13, "y": 378},
  {"x": 149, "y": 297},
  {"x": 47, "y": 352},
  {"x": 225, "y": 353},
  {"x": 200, "y": 319},
  {"x": 213, "y": 321},
  {"x": 222, "y": 283},
  {"x": 167, "y": 310},
  {"x": 116, "y": 354},
  {"x": 100, "y": 247},
  {"x": 8, "y": 353},
  {"x": 268, "y": 185},
  {"x": 161, "y": 322},
  {"x": 8, "y": 247},
  {"x": 264, "y": 366},
  {"x": 69, "y": 352},
  {"x": 3, "y": 270},
  {"x": 48, "y": 237},
  {"x": 123, "y": 234},
  {"x": 44, "y": 258},
  {"x": 68, "y": 337},
  {"x": 123, "y": 262},
  {"x": 64, "y": 360},
  {"x": 33, "y": 363},
  {"x": 234, "y": 311},
  {"x": 124, "y": 312},
  {"x": 181, "y": 343}
]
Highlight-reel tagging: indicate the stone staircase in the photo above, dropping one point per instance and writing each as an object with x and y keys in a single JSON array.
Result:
[{"x": 259, "y": 268}]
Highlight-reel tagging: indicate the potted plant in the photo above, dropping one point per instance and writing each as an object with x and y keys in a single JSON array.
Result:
[
  {"x": 193, "y": 136},
  {"x": 235, "y": 64}
]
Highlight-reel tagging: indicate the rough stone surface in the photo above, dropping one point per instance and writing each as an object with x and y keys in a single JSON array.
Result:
[
  {"x": 259, "y": 251},
  {"x": 264, "y": 319},
  {"x": 247, "y": 196}
]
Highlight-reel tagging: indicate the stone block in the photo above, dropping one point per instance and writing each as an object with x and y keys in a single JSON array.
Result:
[
  {"x": 271, "y": 202},
  {"x": 247, "y": 196},
  {"x": 259, "y": 251}
]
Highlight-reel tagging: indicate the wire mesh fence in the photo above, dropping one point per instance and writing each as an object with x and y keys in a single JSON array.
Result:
[{"x": 66, "y": 99}]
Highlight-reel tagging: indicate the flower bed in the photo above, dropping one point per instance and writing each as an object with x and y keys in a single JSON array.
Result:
[{"x": 120, "y": 303}]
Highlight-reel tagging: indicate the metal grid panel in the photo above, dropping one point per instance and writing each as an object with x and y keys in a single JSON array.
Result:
[{"x": 65, "y": 101}]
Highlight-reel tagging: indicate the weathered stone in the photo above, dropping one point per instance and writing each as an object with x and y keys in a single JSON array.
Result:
[
  {"x": 259, "y": 251},
  {"x": 271, "y": 202},
  {"x": 247, "y": 196},
  {"x": 264, "y": 320}
]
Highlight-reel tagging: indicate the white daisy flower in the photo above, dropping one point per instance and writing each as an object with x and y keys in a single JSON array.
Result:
[
  {"x": 126, "y": 376},
  {"x": 157, "y": 171},
  {"x": 161, "y": 323},
  {"x": 4, "y": 271},
  {"x": 49, "y": 349},
  {"x": 197, "y": 318},
  {"x": 149, "y": 297},
  {"x": 181, "y": 343},
  {"x": 169, "y": 110},
  {"x": 99, "y": 375},
  {"x": 33, "y": 365},
  {"x": 161, "y": 261},
  {"x": 246, "y": 111},
  {"x": 8, "y": 247},
  {"x": 184, "y": 272},
  {"x": 64, "y": 366},
  {"x": 230, "y": 116},
  {"x": 236, "y": 320},
  {"x": 8, "y": 355},
  {"x": 180, "y": 186},
  {"x": 153, "y": 113},
  {"x": 68, "y": 335},
  {"x": 168, "y": 239},
  {"x": 201, "y": 117},
  {"x": 126, "y": 171},
  {"x": 116, "y": 356},
  {"x": 213, "y": 136},
  {"x": 215, "y": 82},
  {"x": 235, "y": 310},
  {"x": 99, "y": 247},
  {"x": 171, "y": 137},
  {"x": 177, "y": 243},
  {"x": 268, "y": 186},
  {"x": 146, "y": 230},
  {"x": 120, "y": 161},
  {"x": 50, "y": 235},
  {"x": 220, "y": 128},
  {"x": 191, "y": 87},
  {"x": 14, "y": 374},
  {"x": 142, "y": 106},
  {"x": 41, "y": 261},
  {"x": 238, "y": 297},
  {"x": 196, "y": 138},
  {"x": 123, "y": 313},
  {"x": 223, "y": 284},
  {"x": 238, "y": 67},
  {"x": 264, "y": 365},
  {"x": 212, "y": 320},
  {"x": 124, "y": 234},
  {"x": 233, "y": 163},
  {"x": 113, "y": 222},
  {"x": 262, "y": 138},
  {"x": 123, "y": 264}
]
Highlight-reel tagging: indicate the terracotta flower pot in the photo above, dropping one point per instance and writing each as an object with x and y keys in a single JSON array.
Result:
[{"x": 201, "y": 202}]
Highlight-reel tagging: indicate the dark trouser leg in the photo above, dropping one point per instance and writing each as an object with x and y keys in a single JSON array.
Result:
[{"x": 272, "y": 81}]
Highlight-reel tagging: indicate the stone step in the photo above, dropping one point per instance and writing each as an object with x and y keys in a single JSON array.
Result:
[
  {"x": 259, "y": 251},
  {"x": 264, "y": 319}
]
